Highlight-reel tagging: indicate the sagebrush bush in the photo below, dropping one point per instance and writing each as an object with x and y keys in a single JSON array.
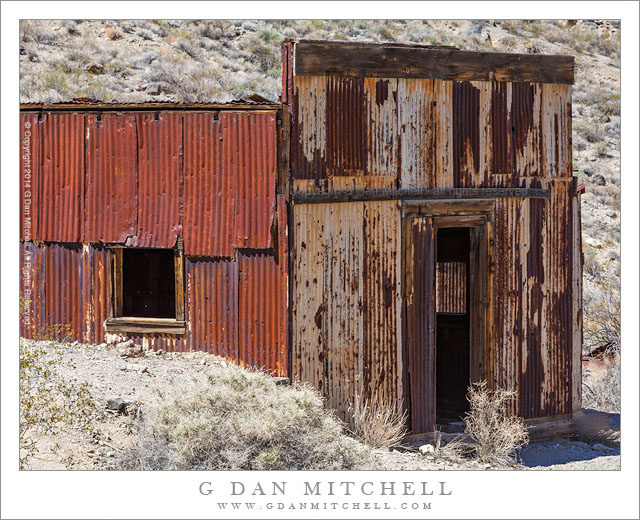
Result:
[
  {"x": 238, "y": 419},
  {"x": 496, "y": 434}
]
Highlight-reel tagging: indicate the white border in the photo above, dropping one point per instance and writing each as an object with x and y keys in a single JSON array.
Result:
[{"x": 175, "y": 495}]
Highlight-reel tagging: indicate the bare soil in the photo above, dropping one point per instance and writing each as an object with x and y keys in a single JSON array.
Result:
[{"x": 143, "y": 380}]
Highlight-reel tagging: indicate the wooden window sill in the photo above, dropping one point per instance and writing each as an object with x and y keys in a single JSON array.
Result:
[{"x": 145, "y": 325}]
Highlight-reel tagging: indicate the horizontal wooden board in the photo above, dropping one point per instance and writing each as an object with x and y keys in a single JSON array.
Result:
[{"x": 397, "y": 61}]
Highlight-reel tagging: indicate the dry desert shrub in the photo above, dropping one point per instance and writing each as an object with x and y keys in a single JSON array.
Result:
[
  {"x": 238, "y": 419},
  {"x": 601, "y": 387},
  {"x": 376, "y": 422},
  {"x": 496, "y": 434}
]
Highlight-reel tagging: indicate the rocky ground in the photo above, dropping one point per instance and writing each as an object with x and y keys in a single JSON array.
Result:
[{"x": 139, "y": 382}]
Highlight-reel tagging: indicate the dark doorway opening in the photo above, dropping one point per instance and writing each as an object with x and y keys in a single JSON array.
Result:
[
  {"x": 148, "y": 283},
  {"x": 453, "y": 246}
]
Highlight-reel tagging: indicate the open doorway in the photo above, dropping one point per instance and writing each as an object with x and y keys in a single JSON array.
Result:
[
  {"x": 447, "y": 298},
  {"x": 453, "y": 248}
]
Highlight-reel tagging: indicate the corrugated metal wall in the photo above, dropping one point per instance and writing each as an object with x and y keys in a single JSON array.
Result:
[
  {"x": 346, "y": 303},
  {"x": 366, "y": 133},
  {"x": 426, "y": 133},
  {"x": 150, "y": 178}
]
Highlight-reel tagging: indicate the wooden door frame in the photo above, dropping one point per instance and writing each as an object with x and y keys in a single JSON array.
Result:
[{"x": 476, "y": 214}]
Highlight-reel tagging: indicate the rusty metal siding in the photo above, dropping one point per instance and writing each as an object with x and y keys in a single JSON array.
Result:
[
  {"x": 466, "y": 133},
  {"x": 532, "y": 379},
  {"x": 451, "y": 287},
  {"x": 346, "y": 301},
  {"x": 382, "y": 303},
  {"x": 559, "y": 313},
  {"x": 533, "y": 333},
  {"x": 383, "y": 146},
  {"x": 67, "y": 291},
  {"x": 212, "y": 306},
  {"x": 160, "y": 180},
  {"x": 555, "y": 128},
  {"x": 346, "y": 148},
  {"x": 30, "y": 143},
  {"x": 307, "y": 300},
  {"x": 111, "y": 198},
  {"x": 308, "y": 136},
  {"x": 416, "y": 113},
  {"x": 32, "y": 286},
  {"x": 210, "y": 172},
  {"x": 507, "y": 293},
  {"x": 255, "y": 182},
  {"x": 62, "y": 178}
]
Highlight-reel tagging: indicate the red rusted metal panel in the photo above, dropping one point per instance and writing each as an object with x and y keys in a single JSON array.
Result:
[
  {"x": 347, "y": 125},
  {"x": 32, "y": 278},
  {"x": 262, "y": 305},
  {"x": 111, "y": 197},
  {"x": 255, "y": 183},
  {"x": 67, "y": 291},
  {"x": 210, "y": 171},
  {"x": 212, "y": 306},
  {"x": 30, "y": 142},
  {"x": 466, "y": 133},
  {"x": 160, "y": 180},
  {"x": 62, "y": 175}
]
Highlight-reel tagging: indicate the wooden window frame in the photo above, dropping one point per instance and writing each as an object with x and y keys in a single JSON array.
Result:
[{"x": 118, "y": 323}]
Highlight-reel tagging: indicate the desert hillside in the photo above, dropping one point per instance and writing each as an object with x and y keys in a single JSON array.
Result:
[{"x": 158, "y": 60}]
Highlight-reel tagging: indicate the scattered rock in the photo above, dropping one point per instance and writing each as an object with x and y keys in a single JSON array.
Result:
[
  {"x": 281, "y": 381},
  {"x": 426, "y": 449},
  {"x": 129, "y": 349},
  {"x": 115, "y": 403},
  {"x": 223, "y": 364},
  {"x": 599, "y": 179},
  {"x": 137, "y": 367},
  {"x": 159, "y": 352}
]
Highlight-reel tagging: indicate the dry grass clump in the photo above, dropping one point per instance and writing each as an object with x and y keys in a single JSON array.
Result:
[
  {"x": 113, "y": 33},
  {"x": 496, "y": 433},
  {"x": 376, "y": 422},
  {"x": 237, "y": 419}
]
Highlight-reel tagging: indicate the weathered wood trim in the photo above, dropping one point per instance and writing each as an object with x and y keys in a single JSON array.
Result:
[
  {"x": 414, "y": 194},
  {"x": 449, "y": 207},
  {"x": 478, "y": 302},
  {"x": 178, "y": 263},
  {"x": 459, "y": 221},
  {"x": 134, "y": 325},
  {"x": 398, "y": 61},
  {"x": 117, "y": 281}
]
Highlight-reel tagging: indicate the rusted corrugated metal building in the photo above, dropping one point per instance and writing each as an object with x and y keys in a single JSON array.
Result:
[
  {"x": 403, "y": 223},
  {"x": 164, "y": 223}
]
